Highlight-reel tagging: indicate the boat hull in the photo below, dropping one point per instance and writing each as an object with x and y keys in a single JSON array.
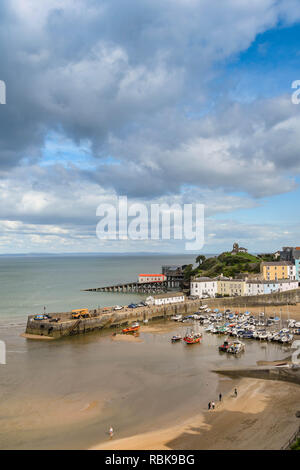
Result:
[
  {"x": 189, "y": 340},
  {"x": 130, "y": 329}
]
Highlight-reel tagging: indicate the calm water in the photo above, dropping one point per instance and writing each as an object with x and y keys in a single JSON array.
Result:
[
  {"x": 30, "y": 283},
  {"x": 66, "y": 394}
]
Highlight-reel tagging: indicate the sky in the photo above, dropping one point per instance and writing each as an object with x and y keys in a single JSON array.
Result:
[{"x": 164, "y": 102}]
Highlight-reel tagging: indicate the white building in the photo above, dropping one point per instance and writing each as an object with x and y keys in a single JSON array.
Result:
[
  {"x": 204, "y": 287},
  {"x": 292, "y": 272},
  {"x": 168, "y": 298},
  {"x": 286, "y": 284},
  {"x": 254, "y": 287},
  {"x": 258, "y": 287}
]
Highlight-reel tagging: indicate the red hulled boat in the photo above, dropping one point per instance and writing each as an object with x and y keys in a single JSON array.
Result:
[{"x": 131, "y": 329}]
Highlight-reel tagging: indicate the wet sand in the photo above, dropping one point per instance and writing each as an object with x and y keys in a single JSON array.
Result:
[
  {"x": 85, "y": 384},
  {"x": 129, "y": 338},
  {"x": 261, "y": 417}
]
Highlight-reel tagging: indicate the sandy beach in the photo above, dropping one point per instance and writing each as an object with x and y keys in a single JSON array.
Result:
[
  {"x": 129, "y": 338},
  {"x": 262, "y": 416}
]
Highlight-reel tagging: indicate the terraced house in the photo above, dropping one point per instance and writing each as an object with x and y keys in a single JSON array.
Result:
[
  {"x": 231, "y": 287},
  {"x": 224, "y": 286},
  {"x": 275, "y": 270},
  {"x": 204, "y": 287}
]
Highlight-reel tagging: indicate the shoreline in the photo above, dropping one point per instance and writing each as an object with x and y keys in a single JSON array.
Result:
[{"x": 248, "y": 421}]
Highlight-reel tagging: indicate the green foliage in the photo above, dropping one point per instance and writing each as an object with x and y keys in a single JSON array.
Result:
[
  {"x": 200, "y": 259},
  {"x": 267, "y": 257},
  {"x": 230, "y": 265},
  {"x": 296, "y": 445},
  {"x": 188, "y": 271}
]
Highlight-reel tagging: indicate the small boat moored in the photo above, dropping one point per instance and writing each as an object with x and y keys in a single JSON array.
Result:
[
  {"x": 192, "y": 336},
  {"x": 176, "y": 338},
  {"x": 131, "y": 329},
  {"x": 236, "y": 347},
  {"x": 224, "y": 347}
]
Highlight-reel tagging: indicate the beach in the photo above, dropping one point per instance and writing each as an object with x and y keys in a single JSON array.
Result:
[
  {"x": 66, "y": 394},
  {"x": 262, "y": 416}
]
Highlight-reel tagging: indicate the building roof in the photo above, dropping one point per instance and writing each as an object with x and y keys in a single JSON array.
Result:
[
  {"x": 168, "y": 295},
  {"x": 276, "y": 263},
  {"x": 151, "y": 275},
  {"x": 271, "y": 281},
  {"x": 203, "y": 279}
]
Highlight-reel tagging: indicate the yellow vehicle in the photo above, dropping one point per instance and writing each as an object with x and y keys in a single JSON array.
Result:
[{"x": 80, "y": 313}]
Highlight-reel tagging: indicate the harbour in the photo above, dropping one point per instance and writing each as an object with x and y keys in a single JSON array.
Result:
[
  {"x": 86, "y": 383},
  {"x": 67, "y": 393}
]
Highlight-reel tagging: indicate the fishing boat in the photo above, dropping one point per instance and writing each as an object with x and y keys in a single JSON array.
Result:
[
  {"x": 193, "y": 336},
  {"x": 236, "y": 347},
  {"x": 176, "y": 338},
  {"x": 131, "y": 329},
  {"x": 224, "y": 347}
]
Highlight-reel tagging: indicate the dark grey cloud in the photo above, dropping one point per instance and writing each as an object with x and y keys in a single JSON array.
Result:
[{"x": 98, "y": 69}]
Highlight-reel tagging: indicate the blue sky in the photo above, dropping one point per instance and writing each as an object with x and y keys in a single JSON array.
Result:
[{"x": 164, "y": 102}]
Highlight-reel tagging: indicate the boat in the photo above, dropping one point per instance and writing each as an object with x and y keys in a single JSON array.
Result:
[
  {"x": 131, "y": 329},
  {"x": 263, "y": 335},
  {"x": 224, "y": 347},
  {"x": 176, "y": 317},
  {"x": 192, "y": 339},
  {"x": 192, "y": 336},
  {"x": 222, "y": 330},
  {"x": 176, "y": 338},
  {"x": 236, "y": 347},
  {"x": 247, "y": 334}
]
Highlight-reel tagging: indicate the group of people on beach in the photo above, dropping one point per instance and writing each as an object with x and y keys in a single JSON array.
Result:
[{"x": 211, "y": 404}]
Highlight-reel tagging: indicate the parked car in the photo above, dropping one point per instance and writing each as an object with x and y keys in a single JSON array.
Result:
[
  {"x": 118, "y": 307},
  {"x": 132, "y": 306},
  {"x": 41, "y": 317}
]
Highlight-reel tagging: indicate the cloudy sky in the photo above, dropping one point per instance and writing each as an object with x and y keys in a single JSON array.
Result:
[{"x": 170, "y": 101}]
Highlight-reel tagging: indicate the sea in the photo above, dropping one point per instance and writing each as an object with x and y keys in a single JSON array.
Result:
[{"x": 66, "y": 394}]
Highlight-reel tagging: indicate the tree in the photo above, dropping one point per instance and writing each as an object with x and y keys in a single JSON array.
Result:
[
  {"x": 188, "y": 271},
  {"x": 200, "y": 259}
]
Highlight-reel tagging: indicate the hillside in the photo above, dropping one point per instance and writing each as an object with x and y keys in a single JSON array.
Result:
[{"x": 228, "y": 264}]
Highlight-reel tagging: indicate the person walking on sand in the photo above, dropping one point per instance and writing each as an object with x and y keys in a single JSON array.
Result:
[
  {"x": 213, "y": 405},
  {"x": 209, "y": 405},
  {"x": 111, "y": 432},
  {"x": 235, "y": 392},
  {"x": 220, "y": 397}
]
